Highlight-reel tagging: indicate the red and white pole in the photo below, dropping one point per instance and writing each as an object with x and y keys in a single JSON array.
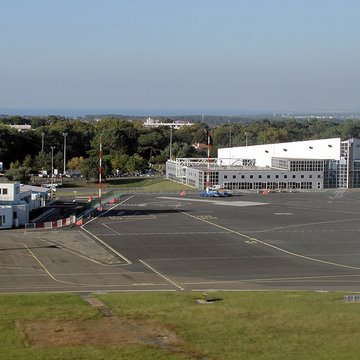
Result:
[
  {"x": 208, "y": 163},
  {"x": 100, "y": 173}
]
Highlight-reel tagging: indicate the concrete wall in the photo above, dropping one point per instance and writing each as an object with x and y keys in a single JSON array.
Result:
[
  {"x": 5, "y": 217},
  {"x": 22, "y": 213},
  {"x": 13, "y": 190}
]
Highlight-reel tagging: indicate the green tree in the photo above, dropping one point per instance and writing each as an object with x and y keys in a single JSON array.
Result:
[
  {"x": 119, "y": 161},
  {"x": 75, "y": 163},
  {"x": 22, "y": 174},
  {"x": 136, "y": 163}
]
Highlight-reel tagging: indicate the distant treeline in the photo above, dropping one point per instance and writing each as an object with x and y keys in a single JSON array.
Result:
[{"x": 128, "y": 146}]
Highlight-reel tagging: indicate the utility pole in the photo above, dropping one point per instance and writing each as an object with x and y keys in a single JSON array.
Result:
[
  {"x": 246, "y": 138},
  {"x": 208, "y": 164},
  {"x": 100, "y": 174},
  {"x": 170, "y": 155},
  {"x": 42, "y": 141},
  {"x": 229, "y": 133},
  {"x": 52, "y": 171},
  {"x": 65, "y": 135}
]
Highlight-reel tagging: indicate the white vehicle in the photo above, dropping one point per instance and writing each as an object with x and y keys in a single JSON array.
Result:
[{"x": 51, "y": 186}]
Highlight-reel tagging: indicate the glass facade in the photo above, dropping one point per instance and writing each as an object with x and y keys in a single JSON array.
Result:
[{"x": 343, "y": 166}]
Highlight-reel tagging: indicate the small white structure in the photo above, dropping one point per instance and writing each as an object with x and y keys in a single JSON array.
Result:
[
  {"x": 16, "y": 202},
  {"x": 21, "y": 127},
  {"x": 175, "y": 124}
]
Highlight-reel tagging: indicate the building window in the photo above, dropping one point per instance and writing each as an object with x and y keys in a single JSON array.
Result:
[
  {"x": 243, "y": 176},
  {"x": 260, "y": 176},
  {"x": 285, "y": 176},
  {"x": 276, "y": 176},
  {"x": 225, "y": 176},
  {"x": 251, "y": 176},
  {"x": 5, "y": 191},
  {"x": 234, "y": 176},
  {"x": 302, "y": 176},
  {"x": 294, "y": 176},
  {"x": 268, "y": 176}
]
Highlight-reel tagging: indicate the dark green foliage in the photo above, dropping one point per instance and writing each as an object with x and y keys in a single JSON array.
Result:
[{"x": 128, "y": 146}]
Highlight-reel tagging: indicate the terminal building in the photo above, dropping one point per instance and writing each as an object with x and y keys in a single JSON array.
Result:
[{"x": 311, "y": 164}]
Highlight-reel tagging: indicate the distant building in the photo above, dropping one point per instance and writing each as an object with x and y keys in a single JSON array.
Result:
[
  {"x": 157, "y": 123},
  {"x": 312, "y": 164},
  {"x": 21, "y": 127}
]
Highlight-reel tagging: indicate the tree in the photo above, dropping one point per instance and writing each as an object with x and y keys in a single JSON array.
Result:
[
  {"x": 22, "y": 174},
  {"x": 151, "y": 143},
  {"x": 119, "y": 161},
  {"x": 75, "y": 163},
  {"x": 136, "y": 163},
  {"x": 90, "y": 168}
]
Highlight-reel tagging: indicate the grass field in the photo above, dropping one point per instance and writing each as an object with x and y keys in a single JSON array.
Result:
[
  {"x": 241, "y": 325},
  {"x": 139, "y": 184}
]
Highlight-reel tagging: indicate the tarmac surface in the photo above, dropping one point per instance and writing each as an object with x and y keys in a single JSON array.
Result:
[{"x": 286, "y": 241}]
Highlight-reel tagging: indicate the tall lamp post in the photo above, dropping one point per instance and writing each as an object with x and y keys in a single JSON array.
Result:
[
  {"x": 52, "y": 170},
  {"x": 65, "y": 135},
  {"x": 246, "y": 138},
  {"x": 171, "y": 130},
  {"x": 42, "y": 141},
  {"x": 229, "y": 133}
]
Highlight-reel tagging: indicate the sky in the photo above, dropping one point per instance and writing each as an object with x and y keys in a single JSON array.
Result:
[{"x": 179, "y": 56}]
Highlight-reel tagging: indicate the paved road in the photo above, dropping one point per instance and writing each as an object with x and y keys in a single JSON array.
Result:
[
  {"x": 253, "y": 241},
  {"x": 279, "y": 241}
]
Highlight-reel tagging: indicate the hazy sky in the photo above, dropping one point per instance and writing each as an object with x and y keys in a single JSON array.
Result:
[{"x": 183, "y": 56}]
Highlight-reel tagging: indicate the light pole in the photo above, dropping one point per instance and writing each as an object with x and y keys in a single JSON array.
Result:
[
  {"x": 65, "y": 135},
  {"x": 229, "y": 133},
  {"x": 246, "y": 138},
  {"x": 171, "y": 129},
  {"x": 42, "y": 141},
  {"x": 52, "y": 170}
]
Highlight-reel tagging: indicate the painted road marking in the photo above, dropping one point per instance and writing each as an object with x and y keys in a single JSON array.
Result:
[
  {"x": 217, "y": 202},
  {"x": 283, "y": 214},
  {"x": 274, "y": 246},
  {"x": 161, "y": 275},
  {"x": 206, "y": 217},
  {"x": 163, "y": 233}
]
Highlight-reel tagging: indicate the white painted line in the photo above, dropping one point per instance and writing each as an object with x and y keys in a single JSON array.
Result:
[
  {"x": 45, "y": 269},
  {"x": 275, "y": 247},
  {"x": 283, "y": 214},
  {"x": 161, "y": 275},
  {"x": 216, "y": 202},
  {"x": 167, "y": 233},
  {"x": 110, "y": 229},
  {"x": 128, "y": 262},
  {"x": 307, "y": 224}
]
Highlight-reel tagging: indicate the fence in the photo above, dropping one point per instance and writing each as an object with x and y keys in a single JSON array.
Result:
[
  {"x": 109, "y": 198},
  {"x": 71, "y": 220}
]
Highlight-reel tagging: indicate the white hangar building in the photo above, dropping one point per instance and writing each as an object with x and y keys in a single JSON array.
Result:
[{"x": 311, "y": 164}]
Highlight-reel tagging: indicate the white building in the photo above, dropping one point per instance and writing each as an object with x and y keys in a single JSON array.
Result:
[
  {"x": 16, "y": 202},
  {"x": 157, "y": 123},
  {"x": 263, "y": 154},
  {"x": 312, "y": 164}
]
